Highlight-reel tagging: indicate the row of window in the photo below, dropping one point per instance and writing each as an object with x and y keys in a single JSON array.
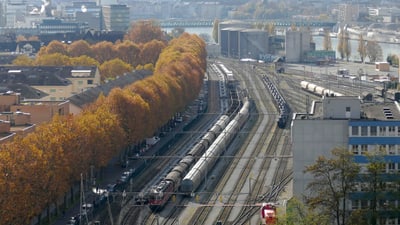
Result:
[
  {"x": 382, "y": 205},
  {"x": 393, "y": 187},
  {"x": 390, "y": 167},
  {"x": 374, "y": 131},
  {"x": 363, "y": 149}
]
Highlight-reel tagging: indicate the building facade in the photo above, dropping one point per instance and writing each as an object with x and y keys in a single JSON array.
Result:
[
  {"x": 297, "y": 44},
  {"x": 348, "y": 12},
  {"x": 237, "y": 42},
  {"x": 116, "y": 17},
  {"x": 362, "y": 128}
]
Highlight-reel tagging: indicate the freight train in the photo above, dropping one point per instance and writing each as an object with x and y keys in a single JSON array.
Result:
[
  {"x": 280, "y": 102},
  {"x": 318, "y": 90},
  {"x": 197, "y": 174},
  {"x": 157, "y": 195}
]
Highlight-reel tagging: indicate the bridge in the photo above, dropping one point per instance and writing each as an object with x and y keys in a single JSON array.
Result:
[
  {"x": 277, "y": 23},
  {"x": 186, "y": 23}
]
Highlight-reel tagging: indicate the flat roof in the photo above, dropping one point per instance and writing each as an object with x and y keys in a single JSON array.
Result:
[{"x": 381, "y": 110}]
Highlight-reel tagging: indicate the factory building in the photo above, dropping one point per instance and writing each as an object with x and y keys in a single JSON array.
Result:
[
  {"x": 243, "y": 43},
  {"x": 362, "y": 128},
  {"x": 297, "y": 44}
]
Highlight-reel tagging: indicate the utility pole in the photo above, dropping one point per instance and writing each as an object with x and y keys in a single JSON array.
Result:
[{"x": 83, "y": 202}]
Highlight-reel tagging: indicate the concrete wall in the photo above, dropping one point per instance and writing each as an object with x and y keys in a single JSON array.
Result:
[
  {"x": 310, "y": 139},
  {"x": 296, "y": 44},
  {"x": 335, "y": 107},
  {"x": 253, "y": 43}
]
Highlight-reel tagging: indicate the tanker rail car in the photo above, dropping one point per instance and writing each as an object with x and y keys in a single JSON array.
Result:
[
  {"x": 318, "y": 90},
  {"x": 280, "y": 102},
  {"x": 157, "y": 195},
  {"x": 197, "y": 174}
]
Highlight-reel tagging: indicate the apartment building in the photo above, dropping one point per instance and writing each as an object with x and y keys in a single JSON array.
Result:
[
  {"x": 50, "y": 83},
  {"x": 361, "y": 127}
]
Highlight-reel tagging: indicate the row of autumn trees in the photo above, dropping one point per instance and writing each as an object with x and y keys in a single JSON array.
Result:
[
  {"x": 138, "y": 50},
  {"x": 337, "y": 178},
  {"x": 370, "y": 48},
  {"x": 39, "y": 169}
]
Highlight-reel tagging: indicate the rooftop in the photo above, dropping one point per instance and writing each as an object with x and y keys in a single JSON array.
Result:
[{"x": 380, "y": 111}]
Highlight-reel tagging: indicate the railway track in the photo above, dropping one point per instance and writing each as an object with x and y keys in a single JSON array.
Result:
[
  {"x": 129, "y": 214},
  {"x": 269, "y": 142}
]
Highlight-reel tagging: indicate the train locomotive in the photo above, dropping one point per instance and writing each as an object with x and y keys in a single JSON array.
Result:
[
  {"x": 196, "y": 175},
  {"x": 268, "y": 213},
  {"x": 157, "y": 195},
  {"x": 280, "y": 102}
]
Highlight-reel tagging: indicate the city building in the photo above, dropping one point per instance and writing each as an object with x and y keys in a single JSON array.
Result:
[
  {"x": 348, "y": 12},
  {"x": 48, "y": 83},
  {"x": 80, "y": 100},
  {"x": 361, "y": 127},
  {"x": 241, "y": 42},
  {"x": 297, "y": 44},
  {"x": 116, "y": 17},
  {"x": 58, "y": 26},
  {"x": 89, "y": 12}
]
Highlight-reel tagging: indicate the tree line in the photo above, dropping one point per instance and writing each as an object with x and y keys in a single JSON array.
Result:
[
  {"x": 365, "y": 48},
  {"x": 140, "y": 49},
  {"x": 39, "y": 169}
]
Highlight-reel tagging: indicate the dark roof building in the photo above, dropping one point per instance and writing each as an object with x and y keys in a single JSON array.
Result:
[{"x": 78, "y": 101}]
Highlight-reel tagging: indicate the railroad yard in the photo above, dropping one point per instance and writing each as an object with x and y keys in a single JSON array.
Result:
[{"x": 255, "y": 162}]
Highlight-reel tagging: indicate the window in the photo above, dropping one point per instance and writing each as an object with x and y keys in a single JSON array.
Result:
[
  {"x": 89, "y": 81},
  {"x": 80, "y": 82},
  {"x": 364, "y": 149},
  {"x": 354, "y": 131},
  {"x": 348, "y": 108},
  {"x": 391, "y": 167},
  {"x": 355, "y": 149},
  {"x": 392, "y": 149},
  {"x": 392, "y": 131},
  {"x": 373, "y": 131},
  {"x": 354, "y": 204},
  {"x": 364, "y": 131},
  {"x": 364, "y": 187},
  {"x": 382, "y": 204},
  {"x": 52, "y": 90},
  {"x": 364, "y": 204},
  {"x": 382, "y": 131}
]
